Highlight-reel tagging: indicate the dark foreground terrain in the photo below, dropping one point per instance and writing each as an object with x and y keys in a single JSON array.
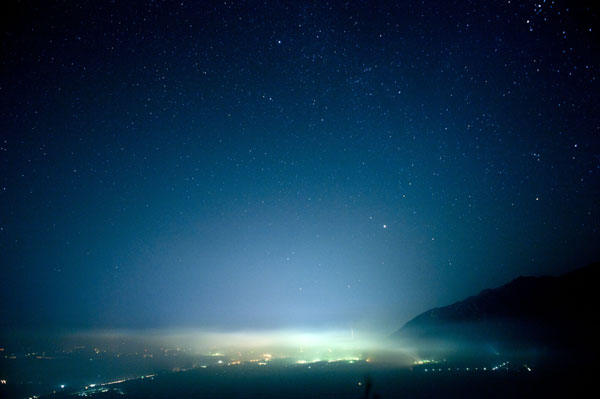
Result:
[
  {"x": 346, "y": 381},
  {"x": 533, "y": 337}
]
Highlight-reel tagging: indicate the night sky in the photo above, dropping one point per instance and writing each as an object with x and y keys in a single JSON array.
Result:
[{"x": 250, "y": 165}]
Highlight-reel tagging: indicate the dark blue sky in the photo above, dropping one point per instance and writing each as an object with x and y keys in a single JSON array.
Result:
[{"x": 285, "y": 164}]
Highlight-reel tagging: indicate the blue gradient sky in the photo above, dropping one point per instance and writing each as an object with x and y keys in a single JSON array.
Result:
[{"x": 248, "y": 165}]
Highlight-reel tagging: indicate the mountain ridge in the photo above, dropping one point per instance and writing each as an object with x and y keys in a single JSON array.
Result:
[{"x": 544, "y": 311}]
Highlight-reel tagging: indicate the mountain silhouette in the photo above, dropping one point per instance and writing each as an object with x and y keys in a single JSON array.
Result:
[{"x": 546, "y": 313}]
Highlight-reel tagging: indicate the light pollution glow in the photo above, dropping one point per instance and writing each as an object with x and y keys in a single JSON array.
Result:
[{"x": 298, "y": 345}]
